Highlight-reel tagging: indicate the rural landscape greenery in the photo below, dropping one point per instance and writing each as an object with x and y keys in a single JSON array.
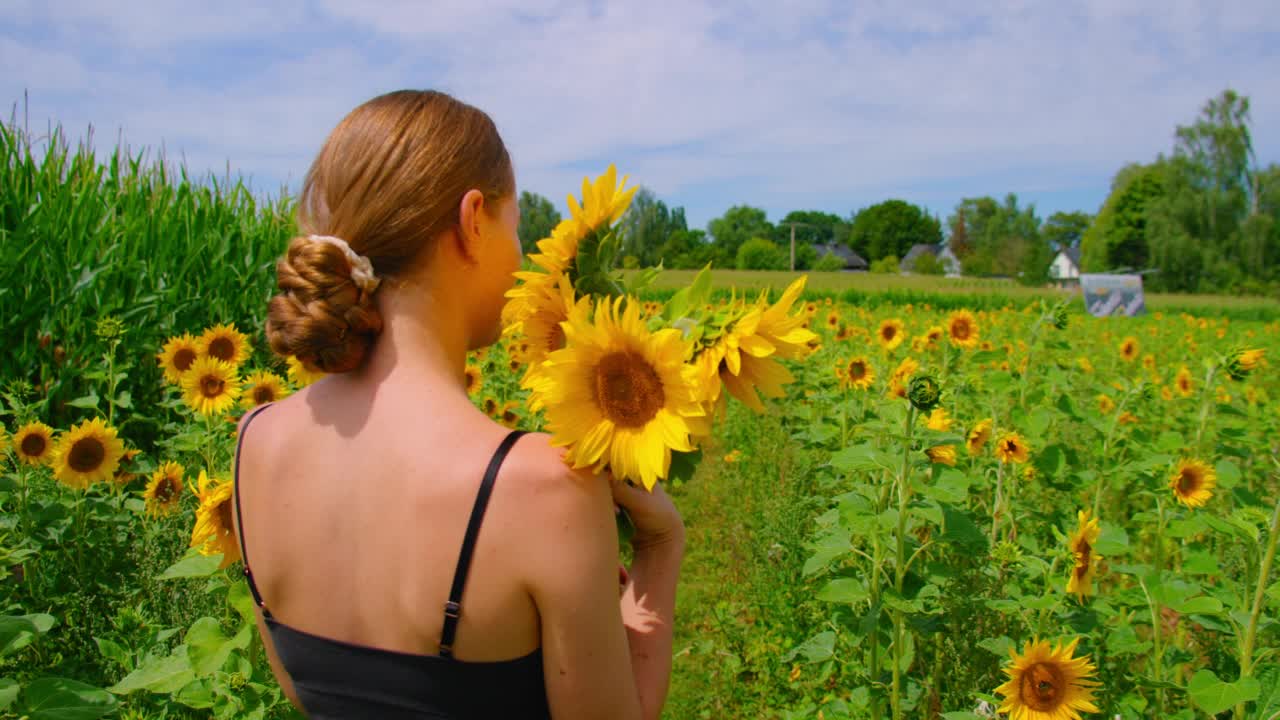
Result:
[{"x": 958, "y": 497}]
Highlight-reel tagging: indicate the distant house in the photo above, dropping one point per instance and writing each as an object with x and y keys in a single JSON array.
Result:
[
  {"x": 941, "y": 251},
  {"x": 1065, "y": 269},
  {"x": 852, "y": 260}
]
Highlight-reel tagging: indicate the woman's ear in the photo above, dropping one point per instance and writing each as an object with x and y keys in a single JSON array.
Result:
[{"x": 470, "y": 235}]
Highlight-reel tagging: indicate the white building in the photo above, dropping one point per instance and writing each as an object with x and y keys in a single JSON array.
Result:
[{"x": 1065, "y": 270}]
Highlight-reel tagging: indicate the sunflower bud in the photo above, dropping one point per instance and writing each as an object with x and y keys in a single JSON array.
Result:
[
  {"x": 1241, "y": 362},
  {"x": 1058, "y": 316},
  {"x": 109, "y": 328},
  {"x": 45, "y": 340},
  {"x": 924, "y": 393},
  {"x": 59, "y": 355}
]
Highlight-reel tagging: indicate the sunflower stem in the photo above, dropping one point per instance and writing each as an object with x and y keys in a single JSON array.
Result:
[
  {"x": 1205, "y": 404},
  {"x": 995, "y": 504},
  {"x": 901, "y": 565},
  {"x": 1259, "y": 595}
]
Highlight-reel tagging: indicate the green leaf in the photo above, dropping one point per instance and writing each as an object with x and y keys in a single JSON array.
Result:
[
  {"x": 819, "y": 648},
  {"x": 1228, "y": 474},
  {"x": 827, "y": 548},
  {"x": 159, "y": 675},
  {"x": 950, "y": 487},
  {"x": 843, "y": 590},
  {"x": 961, "y": 530},
  {"x": 16, "y": 632},
  {"x": 87, "y": 402},
  {"x": 124, "y": 400},
  {"x": 62, "y": 699},
  {"x": 861, "y": 458},
  {"x": 196, "y": 694},
  {"x": 961, "y": 715},
  {"x": 1113, "y": 541},
  {"x": 208, "y": 647},
  {"x": 239, "y": 598},
  {"x": 1213, "y": 695},
  {"x": 999, "y": 647},
  {"x": 1200, "y": 563},
  {"x": 193, "y": 566},
  {"x": 8, "y": 692},
  {"x": 1269, "y": 703}
]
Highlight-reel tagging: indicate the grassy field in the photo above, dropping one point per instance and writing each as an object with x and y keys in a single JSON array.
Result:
[{"x": 876, "y": 288}]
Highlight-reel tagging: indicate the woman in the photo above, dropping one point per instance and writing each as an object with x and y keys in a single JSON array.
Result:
[{"x": 410, "y": 557}]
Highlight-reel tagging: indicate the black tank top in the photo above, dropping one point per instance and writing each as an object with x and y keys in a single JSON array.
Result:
[{"x": 336, "y": 679}]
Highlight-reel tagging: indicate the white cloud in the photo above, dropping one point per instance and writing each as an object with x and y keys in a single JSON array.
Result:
[{"x": 780, "y": 101}]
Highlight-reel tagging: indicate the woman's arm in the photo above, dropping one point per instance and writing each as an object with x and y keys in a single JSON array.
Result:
[{"x": 603, "y": 658}]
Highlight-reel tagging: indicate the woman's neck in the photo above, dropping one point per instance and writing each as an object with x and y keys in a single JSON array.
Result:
[{"x": 424, "y": 337}]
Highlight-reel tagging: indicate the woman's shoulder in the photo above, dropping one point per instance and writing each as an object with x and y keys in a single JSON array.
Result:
[{"x": 549, "y": 485}]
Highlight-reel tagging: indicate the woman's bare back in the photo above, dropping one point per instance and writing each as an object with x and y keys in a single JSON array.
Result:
[{"x": 354, "y": 510}]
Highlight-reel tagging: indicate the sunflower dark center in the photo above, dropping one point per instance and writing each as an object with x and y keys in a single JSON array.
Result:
[
  {"x": 1084, "y": 553},
  {"x": 225, "y": 520},
  {"x": 263, "y": 394},
  {"x": 34, "y": 445},
  {"x": 960, "y": 330},
  {"x": 86, "y": 455},
  {"x": 627, "y": 389},
  {"x": 1188, "y": 481},
  {"x": 223, "y": 349},
  {"x": 857, "y": 370},
  {"x": 889, "y": 332},
  {"x": 1042, "y": 687},
  {"x": 166, "y": 489},
  {"x": 555, "y": 338},
  {"x": 183, "y": 359},
  {"x": 211, "y": 386}
]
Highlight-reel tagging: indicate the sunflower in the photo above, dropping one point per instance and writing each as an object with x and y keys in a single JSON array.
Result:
[
  {"x": 1183, "y": 382},
  {"x": 34, "y": 443},
  {"x": 754, "y": 344},
  {"x": 905, "y": 370},
  {"x": 1193, "y": 482},
  {"x": 623, "y": 396},
  {"x": 942, "y": 455},
  {"x": 262, "y": 387},
  {"x": 833, "y": 320},
  {"x": 177, "y": 355},
  {"x": 1129, "y": 349},
  {"x": 215, "y": 530},
  {"x": 472, "y": 378},
  {"x": 1081, "y": 544},
  {"x": 934, "y": 335},
  {"x": 225, "y": 343},
  {"x": 124, "y": 474},
  {"x": 938, "y": 420},
  {"x": 1048, "y": 684},
  {"x": 490, "y": 406},
  {"x": 1085, "y": 364},
  {"x": 1149, "y": 361},
  {"x": 978, "y": 437},
  {"x": 299, "y": 374},
  {"x": 545, "y": 301},
  {"x": 211, "y": 386},
  {"x": 962, "y": 329},
  {"x": 857, "y": 373},
  {"x": 891, "y": 333},
  {"x": 1242, "y": 362},
  {"x": 603, "y": 202},
  {"x": 164, "y": 491},
  {"x": 1127, "y": 418},
  {"x": 87, "y": 453},
  {"x": 1106, "y": 404},
  {"x": 1012, "y": 448},
  {"x": 509, "y": 417}
]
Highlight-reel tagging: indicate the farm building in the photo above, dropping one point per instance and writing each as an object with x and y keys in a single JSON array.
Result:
[
  {"x": 941, "y": 251},
  {"x": 1065, "y": 269},
  {"x": 852, "y": 260}
]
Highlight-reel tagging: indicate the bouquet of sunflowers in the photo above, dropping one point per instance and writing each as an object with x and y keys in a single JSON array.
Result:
[{"x": 629, "y": 386}]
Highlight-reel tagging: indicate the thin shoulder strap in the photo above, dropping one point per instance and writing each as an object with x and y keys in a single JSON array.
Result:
[
  {"x": 453, "y": 608},
  {"x": 235, "y": 492}
]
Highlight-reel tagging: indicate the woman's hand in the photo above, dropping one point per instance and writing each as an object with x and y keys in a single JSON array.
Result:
[{"x": 656, "y": 519}]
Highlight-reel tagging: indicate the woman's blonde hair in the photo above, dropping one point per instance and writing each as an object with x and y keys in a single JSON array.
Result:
[{"x": 388, "y": 180}]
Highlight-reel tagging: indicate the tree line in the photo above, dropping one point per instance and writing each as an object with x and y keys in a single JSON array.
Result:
[{"x": 1204, "y": 218}]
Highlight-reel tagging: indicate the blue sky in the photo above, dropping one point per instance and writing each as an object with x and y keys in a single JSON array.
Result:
[{"x": 797, "y": 105}]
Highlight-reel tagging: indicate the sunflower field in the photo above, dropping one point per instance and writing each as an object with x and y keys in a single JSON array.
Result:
[{"x": 914, "y": 505}]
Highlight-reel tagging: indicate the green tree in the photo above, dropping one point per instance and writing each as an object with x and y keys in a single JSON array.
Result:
[
  {"x": 1003, "y": 238},
  {"x": 891, "y": 228},
  {"x": 1065, "y": 229},
  {"x": 538, "y": 217},
  {"x": 646, "y": 226},
  {"x": 1118, "y": 236},
  {"x": 928, "y": 264},
  {"x": 959, "y": 237},
  {"x": 739, "y": 224},
  {"x": 829, "y": 262},
  {"x": 689, "y": 250},
  {"x": 762, "y": 254}
]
